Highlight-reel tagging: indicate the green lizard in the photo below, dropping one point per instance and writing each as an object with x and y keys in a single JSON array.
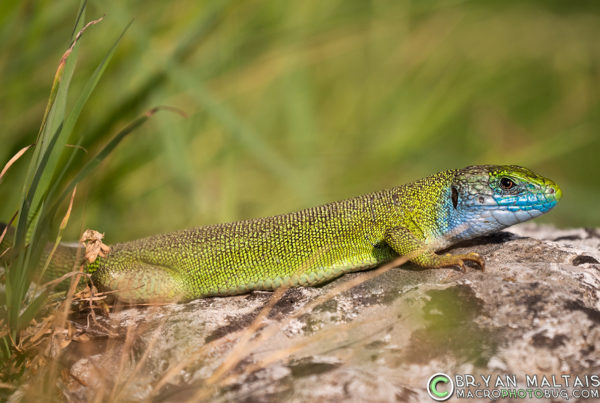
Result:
[{"x": 312, "y": 246}]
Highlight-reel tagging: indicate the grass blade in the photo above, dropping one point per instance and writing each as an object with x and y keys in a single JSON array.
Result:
[
  {"x": 94, "y": 162},
  {"x": 54, "y": 112},
  {"x": 22, "y": 223},
  {"x": 14, "y": 159},
  {"x": 91, "y": 84},
  {"x": 67, "y": 64},
  {"x": 32, "y": 309},
  {"x": 78, "y": 107}
]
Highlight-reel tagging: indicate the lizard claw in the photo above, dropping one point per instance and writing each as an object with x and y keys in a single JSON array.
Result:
[
  {"x": 459, "y": 260},
  {"x": 476, "y": 258}
]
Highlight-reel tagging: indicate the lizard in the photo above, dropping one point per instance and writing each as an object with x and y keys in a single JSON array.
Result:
[{"x": 315, "y": 245}]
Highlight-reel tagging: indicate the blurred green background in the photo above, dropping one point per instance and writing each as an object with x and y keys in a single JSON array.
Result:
[{"x": 292, "y": 104}]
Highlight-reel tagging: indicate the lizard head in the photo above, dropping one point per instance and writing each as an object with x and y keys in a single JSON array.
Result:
[{"x": 492, "y": 197}]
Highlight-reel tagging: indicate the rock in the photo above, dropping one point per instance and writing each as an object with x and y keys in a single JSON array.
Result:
[{"x": 535, "y": 310}]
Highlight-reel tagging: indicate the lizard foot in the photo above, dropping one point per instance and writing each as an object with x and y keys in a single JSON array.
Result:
[{"x": 459, "y": 260}]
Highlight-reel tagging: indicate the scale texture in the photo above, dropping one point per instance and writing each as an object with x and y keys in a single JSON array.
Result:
[
  {"x": 315, "y": 245},
  {"x": 311, "y": 246}
]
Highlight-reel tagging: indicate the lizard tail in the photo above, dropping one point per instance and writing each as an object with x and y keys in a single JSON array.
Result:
[{"x": 65, "y": 258}]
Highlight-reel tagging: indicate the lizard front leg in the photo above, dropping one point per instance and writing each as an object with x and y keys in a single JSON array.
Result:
[{"x": 406, "y": 244}]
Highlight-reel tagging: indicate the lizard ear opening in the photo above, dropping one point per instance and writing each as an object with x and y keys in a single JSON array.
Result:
[{"x": 454, "y": 197}]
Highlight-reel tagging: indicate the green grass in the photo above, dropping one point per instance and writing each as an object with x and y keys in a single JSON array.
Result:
[
  {"x": 310, "y": 102},
  {"x": 290, "y": 104},
  {"x": 42, "y": 213}
]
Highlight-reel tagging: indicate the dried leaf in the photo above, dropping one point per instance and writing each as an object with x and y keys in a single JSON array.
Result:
[{"x": 93, "y": 245}]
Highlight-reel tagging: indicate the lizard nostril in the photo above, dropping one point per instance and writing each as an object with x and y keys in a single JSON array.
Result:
[{"x": 551, "y": 191}]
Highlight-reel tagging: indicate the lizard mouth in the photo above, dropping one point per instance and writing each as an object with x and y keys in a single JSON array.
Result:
[
  {"x": 540, "y": 201},
  {"x": 540, "y": 207}
]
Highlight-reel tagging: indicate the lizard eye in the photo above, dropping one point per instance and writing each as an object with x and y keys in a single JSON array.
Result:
[{"x": 506, "y": 183}]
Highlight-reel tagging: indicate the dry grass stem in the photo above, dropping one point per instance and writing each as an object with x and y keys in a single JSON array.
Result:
[
  {"x": 192, "y": 357},
  {"x": 138, "y": 367},
  {"x": 13, "y": 160},
  {"x": 236, "y": 355}
]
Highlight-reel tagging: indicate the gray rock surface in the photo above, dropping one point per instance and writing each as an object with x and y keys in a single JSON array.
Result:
[{"x": 535, "y": 310}]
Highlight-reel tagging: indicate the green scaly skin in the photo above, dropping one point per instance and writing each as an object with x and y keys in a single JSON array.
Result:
[{"x": 315, "y": 245}]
